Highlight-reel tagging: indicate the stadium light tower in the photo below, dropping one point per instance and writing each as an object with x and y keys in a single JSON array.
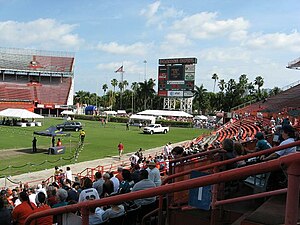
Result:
[{"x": 145, "y": 74}]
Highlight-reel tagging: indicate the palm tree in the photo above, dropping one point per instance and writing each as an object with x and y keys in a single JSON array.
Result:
[
  {"x": 104, "y": 87},
  {"x": 114, "y": 83},
  {"x": 125, "y": 84},
  {"x": 80, "y": 97},
  {"x": 259, "y": 81},
  {"x": 134, "y": 87},
  {"x": 222, "y": 85},
  {"x": 146, "y": 91},
  {"x": 275, "y": 91},
  {"x": 199, "y": 96},
  {"x": 215, "y": 78}
]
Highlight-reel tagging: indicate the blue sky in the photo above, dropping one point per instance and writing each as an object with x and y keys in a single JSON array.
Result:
[{"x": 229, "y": 38}]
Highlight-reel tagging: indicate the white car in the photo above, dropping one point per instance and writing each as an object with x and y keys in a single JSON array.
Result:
[{"x": 156, "y": 128}]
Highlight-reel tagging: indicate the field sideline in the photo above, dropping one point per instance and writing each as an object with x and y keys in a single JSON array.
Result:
[{"x": 16, "y": 156}]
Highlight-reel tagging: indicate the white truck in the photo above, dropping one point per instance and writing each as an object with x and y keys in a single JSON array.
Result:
[{"x": 155, "y": 128}]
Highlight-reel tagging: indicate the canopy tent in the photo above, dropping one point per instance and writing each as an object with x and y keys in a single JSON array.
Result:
[
  {"x": 165, "y": 113},
  {"x": 67, "y": 112},
  {"x": 110, "y": 112},
  {"x": 19, "y": 113},
  {"x": 142, "y": 118},
  {"x": 121, "y": 112},
  {"x": 200, "y": 117},
  {"x": 50, "y": 132}
]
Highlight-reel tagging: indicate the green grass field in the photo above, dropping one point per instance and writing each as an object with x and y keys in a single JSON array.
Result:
[{"x": 16, "y": 156}]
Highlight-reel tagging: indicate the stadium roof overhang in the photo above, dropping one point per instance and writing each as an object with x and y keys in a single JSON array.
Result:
[{"x": 295, "y": 64}]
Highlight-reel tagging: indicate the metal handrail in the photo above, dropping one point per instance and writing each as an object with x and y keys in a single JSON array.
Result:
[{"x": 292, "y": 162}]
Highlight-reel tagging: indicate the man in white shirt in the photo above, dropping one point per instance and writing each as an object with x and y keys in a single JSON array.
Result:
[
  {"x": 68, "y": 174},
  {"x": 288, "y": 135}
]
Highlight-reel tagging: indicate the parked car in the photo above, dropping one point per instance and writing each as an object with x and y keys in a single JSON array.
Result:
[
  {"x": 69, "y": 125},
  {"x": 155, "y": 128}
]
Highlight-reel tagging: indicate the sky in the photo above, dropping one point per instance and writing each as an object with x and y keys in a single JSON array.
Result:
[{"x": 228, "y": 37}]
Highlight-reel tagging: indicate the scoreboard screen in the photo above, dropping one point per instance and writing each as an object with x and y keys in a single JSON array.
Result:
[
  {"x": 176, "y": 80},
  {"x": 175, "y": 73}
]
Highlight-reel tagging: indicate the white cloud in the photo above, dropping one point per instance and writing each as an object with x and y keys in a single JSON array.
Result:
[
  {"x": 225, "y": 54},
  {"x": 40, "y": 32},
  {"x": 137, "y": 48},
  {"x": 205, "y": 25},
  {"x": 177, "y": 38},
  {"x": 273, "y": 41},
  {"x": 158, "y": 15}
]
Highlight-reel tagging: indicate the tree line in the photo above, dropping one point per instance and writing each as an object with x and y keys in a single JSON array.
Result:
[{"x": 142, "y": 95}]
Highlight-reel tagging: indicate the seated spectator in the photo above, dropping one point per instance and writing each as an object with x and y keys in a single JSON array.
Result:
[
  {"x": 88, "y": 191},
  {"x": 288, "y": 134},
  {"x": 61, "y": 197},
  {"x": 51, "y": 195},
  {"x": 22, "y": 211},
  {"x": 239, "y": 151},
  {"x": 262, "y": 143},
  {"x": 230, "y": 154},
  {"x": 143, "y": 184},
  {"x": 42, "y": 206},
  {"x": 127, "y": 183},
  {"x": 5, "y": 214},
  {"x": 96, "y": 216},
  {"x": 154, "y": 173},
  {"x": 177, "y": 152},
  {"x": 115, "y": 181},
  {"x": 108, "y": 185},
  {"x": 98, "y": 184},
  {"x": 115, "y": 211}
]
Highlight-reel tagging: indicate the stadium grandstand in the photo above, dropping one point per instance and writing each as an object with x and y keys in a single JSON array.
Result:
[
  {"x": 295, "y": 64},
  {"x": 39, "y": 81}
]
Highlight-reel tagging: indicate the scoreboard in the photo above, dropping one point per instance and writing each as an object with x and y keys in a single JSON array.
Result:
[{"x": 176, "y": 78}]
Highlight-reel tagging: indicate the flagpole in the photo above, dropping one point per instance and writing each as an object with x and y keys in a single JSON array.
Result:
[{"x": 121, "y": 94}]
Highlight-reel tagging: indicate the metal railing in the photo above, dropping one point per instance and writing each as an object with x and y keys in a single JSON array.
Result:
[{"x": 292, "y": 163}]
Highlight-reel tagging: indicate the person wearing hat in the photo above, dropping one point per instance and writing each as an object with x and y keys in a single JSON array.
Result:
[
  {"x": 154, "y": 173},
  {"x": 288, "y": 134}
]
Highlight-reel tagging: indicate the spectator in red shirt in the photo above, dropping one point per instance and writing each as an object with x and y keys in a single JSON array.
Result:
[
  {"x": 22, "y": 211},
  {"x": 41, "y": 203}
]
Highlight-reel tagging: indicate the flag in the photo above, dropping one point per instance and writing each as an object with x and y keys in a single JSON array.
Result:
[{"x": 119, "y": 70}]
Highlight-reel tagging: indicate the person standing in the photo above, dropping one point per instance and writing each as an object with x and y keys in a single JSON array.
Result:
[
  {"x": 120, "y": 149},
  {"x": 34, "y": 141},
  {"x": 82, "y": 136},
  {"x": 58, "y": 142},
  {"x": 53, "y": 141}
]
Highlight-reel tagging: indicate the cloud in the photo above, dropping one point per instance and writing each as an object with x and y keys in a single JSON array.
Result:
[
  {"x": 158, "y": 15},
  {"x": 273, "y": 41},
  {"x": 137, "y": 48},
  {"x": 205, "y": 25},
  {"x": 225, "y": 54},
  {"x": 40, "y": 32}
]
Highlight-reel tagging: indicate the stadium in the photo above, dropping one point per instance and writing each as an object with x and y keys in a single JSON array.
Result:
[
  {"x": 40, "y": 81},
  {"x": 218, "y": 178}
]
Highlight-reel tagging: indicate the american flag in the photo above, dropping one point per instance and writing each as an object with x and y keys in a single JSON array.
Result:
[{"x": 119, "y": 70}]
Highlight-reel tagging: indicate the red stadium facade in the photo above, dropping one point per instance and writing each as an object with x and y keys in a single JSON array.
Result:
[{"x": 40, "y": 81}]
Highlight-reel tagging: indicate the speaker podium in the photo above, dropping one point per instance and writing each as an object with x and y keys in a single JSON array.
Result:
[{"x": 56, "y": 150}]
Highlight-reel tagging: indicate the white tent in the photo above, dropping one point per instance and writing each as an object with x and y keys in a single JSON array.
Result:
[
  {"x": 165, "y": 113},
  {"x": 200, "y": 117},
  {"x": 142, "y": 118},
  {"x": 19, "y": 113},
  {"x": 67, "y": 112},
  {"x": 110, "y": 112}
]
